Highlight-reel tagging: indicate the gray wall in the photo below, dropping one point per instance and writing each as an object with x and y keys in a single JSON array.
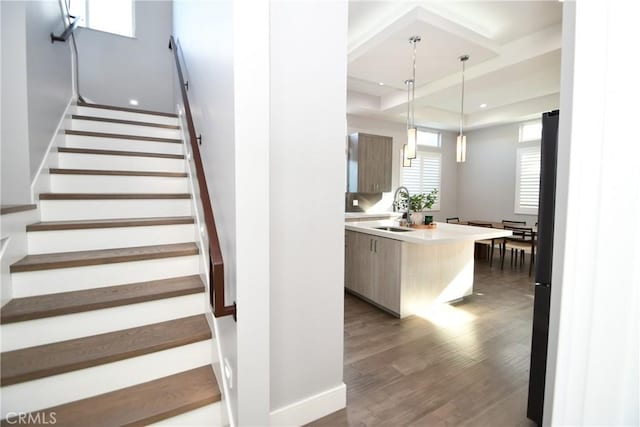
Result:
[
  {"x": 449, "y": 180},
  {"x": 486, "y": 181},
  {"x": 204, "y": 31},
  {"x": 49, "y": 77},
  {"x": 36, "y": 88},
  {"x": 114, "y": 69}
]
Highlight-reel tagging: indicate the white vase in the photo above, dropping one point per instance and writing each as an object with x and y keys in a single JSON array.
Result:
[{"x": 417, "y": 217}]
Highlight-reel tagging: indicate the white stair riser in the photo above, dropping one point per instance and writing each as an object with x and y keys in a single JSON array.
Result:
[
  {"x": 124, "y": 129},
  {"x": 58, "y": 389},
  {"x": 210, "y": 415},
  {"x": 128, "y": 163},
  {"x": 60, "y": 328},
  {"x": 98, "y": 143},
  {"x": 124, "y": 115},
  {"x": 62, "y": 183},
  {"x": 61, "y": 210},
  {"x": 43, "y": 242},
  {"x": 74, "y": 279}
]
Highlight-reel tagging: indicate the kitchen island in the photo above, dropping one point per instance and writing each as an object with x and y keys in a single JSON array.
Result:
[{"x": 410, "y": 271}]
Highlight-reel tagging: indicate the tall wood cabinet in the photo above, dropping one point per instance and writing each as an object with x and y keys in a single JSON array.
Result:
[
  {"x": 370, "y": 162},
  {"x": 372, "y": 268}
]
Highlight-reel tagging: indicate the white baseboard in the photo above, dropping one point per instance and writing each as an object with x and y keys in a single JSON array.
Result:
[{"x": 312, "y": 408}]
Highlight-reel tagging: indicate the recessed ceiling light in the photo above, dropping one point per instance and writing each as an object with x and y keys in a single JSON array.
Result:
[
  {"x": 381, "y": 84},
  {"x": 133, "y": 102},
  {"x": 483, "y": 105}
]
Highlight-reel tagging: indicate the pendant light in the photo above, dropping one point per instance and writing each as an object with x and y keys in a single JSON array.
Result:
[
  {"x": 410, "y": 148},
  {"x": 461, "y": 143}
]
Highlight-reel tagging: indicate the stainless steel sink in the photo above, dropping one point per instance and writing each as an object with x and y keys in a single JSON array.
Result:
[{"x": 394, "y": 229}]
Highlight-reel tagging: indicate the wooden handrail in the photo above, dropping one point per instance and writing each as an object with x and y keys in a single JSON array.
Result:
[{"x": 216, "y": 263}]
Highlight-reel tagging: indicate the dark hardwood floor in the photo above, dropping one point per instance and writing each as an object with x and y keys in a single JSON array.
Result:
[{"x": 468, "y": 367}]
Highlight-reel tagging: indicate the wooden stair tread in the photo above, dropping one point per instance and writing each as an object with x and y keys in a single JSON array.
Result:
[
  {"x": 59, "y": 171},
  {"x": 52, "y": 359},
  {"x": 42, "y": 306},
  {"x": 8, "y": 209},
  {"x": 141, "y": 404},
  {"x": 118, "y": 153},
  {"x": 112, "y": 196},
  {"x": 127, "y": 109},
  {"x": 123, "y": 122},
  {"x": 122, "y": 136},
  {"x": 102, "y": 256},
  {"x": 109, "y": 223}
]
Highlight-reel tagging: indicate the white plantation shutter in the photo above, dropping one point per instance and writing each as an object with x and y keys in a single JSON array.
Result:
[
  {"x": 424, "y": 174},
  {"x": 528, "y": 180}
]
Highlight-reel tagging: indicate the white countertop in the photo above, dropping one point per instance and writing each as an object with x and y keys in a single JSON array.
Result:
[
  {"x": 443, "y": 233},
  {"x": 350, "y": 215}
]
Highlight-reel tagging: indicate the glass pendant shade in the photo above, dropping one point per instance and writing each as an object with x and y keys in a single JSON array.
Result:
[
  {"x": 410, "y": 149},
  {"x": 412, "y": 143},
  {"x": 461, "y": 143},
  {"x": 461, "y": 149},
  {"x": 406, "y": 162}
]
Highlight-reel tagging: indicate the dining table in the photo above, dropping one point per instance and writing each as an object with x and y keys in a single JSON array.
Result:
[
  {"x": 481, "y": 250},
  {"x": 500, "y": 225}
]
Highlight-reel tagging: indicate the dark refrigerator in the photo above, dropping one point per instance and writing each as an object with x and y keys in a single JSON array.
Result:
[{"x": 543, "y": 264}]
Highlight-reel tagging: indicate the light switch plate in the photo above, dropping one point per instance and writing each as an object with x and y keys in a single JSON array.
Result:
[{"x": 354, "y": 202}]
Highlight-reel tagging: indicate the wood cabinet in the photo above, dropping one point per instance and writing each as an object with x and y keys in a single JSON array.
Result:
[
  {"x": 369, "y": 163},
  {"x": 372, "y": 268}
]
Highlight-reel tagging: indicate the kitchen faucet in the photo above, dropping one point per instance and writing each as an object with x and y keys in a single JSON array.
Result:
[{"x": 395, "y": 201}]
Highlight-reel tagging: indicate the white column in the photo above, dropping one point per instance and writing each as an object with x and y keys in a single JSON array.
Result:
[{"x": 252, "y": 96}]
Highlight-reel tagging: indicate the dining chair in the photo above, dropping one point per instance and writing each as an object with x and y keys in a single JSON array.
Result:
[
  {"x": 522, "y": 242},
  {"x": 453, "y": 220},
  {"x": 515, "y": 223},
  {"x": 490, "y": 243}
]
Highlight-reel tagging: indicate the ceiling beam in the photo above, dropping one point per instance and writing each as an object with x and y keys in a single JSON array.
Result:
[
  {"x": 406, "y": 15},
  {"x": 520, "y": 50}
]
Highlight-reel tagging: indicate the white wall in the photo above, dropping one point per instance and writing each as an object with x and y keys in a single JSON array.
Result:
[
  {"x": 593, "y": 375},
  {"x": 261, "y": 109},
  {"x": 204, "y": 31},
  {"x": 307, "y": 173},
  {"x": 486, "y": 181},
  {"x": 14, "y": 152},
  {"x": 114, "y": 69},
  {"x": 449, "y": 179}
]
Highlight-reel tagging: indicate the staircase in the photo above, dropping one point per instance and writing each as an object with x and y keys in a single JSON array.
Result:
[{"x": 107, "y": 323}]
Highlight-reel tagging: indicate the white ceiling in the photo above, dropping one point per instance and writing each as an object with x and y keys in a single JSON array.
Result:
[{"x": 514, "y": 64}]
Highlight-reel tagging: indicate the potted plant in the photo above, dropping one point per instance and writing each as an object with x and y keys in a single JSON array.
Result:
[{"x": 418, "y": 202}]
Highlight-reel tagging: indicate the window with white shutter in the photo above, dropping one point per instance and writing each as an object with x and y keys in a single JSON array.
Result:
[
  {"x": 112, "y": 16},
  {"x": 424, "y": 174},
  {"x": 528, "y": 169}
]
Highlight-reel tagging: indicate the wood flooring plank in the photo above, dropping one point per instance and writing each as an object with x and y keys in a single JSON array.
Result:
[
  {"x": 122, "y": 136},
  {"x": 118, "y": 153},
  {"x": 109, "y": 223},
  {"x": 42, "y": 306},
  {"x": 141, "y": 404},
  {"x": 66, "y": 356},
  {"x": 112, "y": 196},
  {"x": 58, "y": 171},
  {"x": 8, "y": 209},
  {"x": 419, "y": 372},
  {"x": 123, "y": 122},
  {"x": 127, "y": 109},
  {"x": 102, "y": 256}
]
